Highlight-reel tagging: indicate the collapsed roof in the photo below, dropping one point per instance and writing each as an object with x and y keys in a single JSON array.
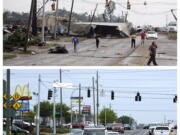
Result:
[{"x": 102, "y": 29}]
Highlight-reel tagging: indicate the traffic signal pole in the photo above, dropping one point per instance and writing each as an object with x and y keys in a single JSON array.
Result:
[
  {"x": 54, "y": 112},
  {"x": 94, "y": 101}
]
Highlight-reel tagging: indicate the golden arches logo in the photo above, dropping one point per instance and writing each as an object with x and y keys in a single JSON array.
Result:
[{"x": 22, "y": 90}]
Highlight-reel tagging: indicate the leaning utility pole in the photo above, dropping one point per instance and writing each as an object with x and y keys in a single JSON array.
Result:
[
  {"x": 61, "y": 115},
  {"x": 69, "y": 25},
  {"x": 94, "y": 13},
  {"x": 56, "y": 15},
  {"x": 97, "y": 96},
  {"x": 79, "y": 102},
  {"x": 54, "y": 112},
  {"x": 43, "y": 22},
  {"x": 29, "y": 24},
  {"x": 8, "y": 122},
  {"x": 38, "y": 111},
  {"x": 94, "y": 101},
  {"x": 34, "y": 19}
]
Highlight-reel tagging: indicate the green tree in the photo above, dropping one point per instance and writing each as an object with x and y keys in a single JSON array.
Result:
[
  {"x": 65, "y": 113},
  {"x": 29, "y": 116},
  {"x": 126, "y": 120},
  {"x": 45, "y": 110},
  {"x": 110, "y": 116}
]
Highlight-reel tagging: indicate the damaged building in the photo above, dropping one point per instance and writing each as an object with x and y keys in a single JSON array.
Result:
[{"x": 88, "y": 29}]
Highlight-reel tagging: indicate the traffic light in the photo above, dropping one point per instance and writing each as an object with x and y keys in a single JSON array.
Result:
[
  {"x": 138, "y": 97},
  {"x": 145, "y": 3},
  {"x": 49, "y": 94},
  {"x": 175, "y": 99},
  {"x": 88, "y": 93},
  {"x": 112, "y": 95},
  {"x": 128, "y": 5},
  {"x": 107, "y": 3},
  {"x": 53, "y": 6}
]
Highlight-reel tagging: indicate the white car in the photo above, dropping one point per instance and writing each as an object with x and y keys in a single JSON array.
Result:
[
  {"x": 112, "y": 133},
  {"x": 161, "y": 130},
  {"x": 151, "y": 35}
]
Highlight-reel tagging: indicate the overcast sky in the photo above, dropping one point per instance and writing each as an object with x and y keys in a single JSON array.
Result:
[
  {"x": 154, "y": 107},
  {"x": 157, "y": 12}
]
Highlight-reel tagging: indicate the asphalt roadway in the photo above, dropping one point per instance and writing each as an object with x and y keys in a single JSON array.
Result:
[
  {"x": 136, "y": 132},
  {"x": 112, "y": 52}
]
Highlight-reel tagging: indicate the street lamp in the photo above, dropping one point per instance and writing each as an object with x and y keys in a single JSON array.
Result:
[{"x": 58, "y": 85}]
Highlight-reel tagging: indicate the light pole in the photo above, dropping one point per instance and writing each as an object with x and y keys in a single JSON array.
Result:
[
  {"x": 38, "y": 108},
  {"x": 36, "y": 94}
]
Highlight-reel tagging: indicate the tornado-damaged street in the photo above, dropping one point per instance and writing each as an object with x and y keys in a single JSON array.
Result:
[
  {"x": 90, "y": 33},
  {"x": 111, "y": 52}
]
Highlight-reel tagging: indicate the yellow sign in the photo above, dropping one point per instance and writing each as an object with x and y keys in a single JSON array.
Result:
[
  {"x": 16, "y": 96},
  {"x": 5, "y": 96},
  {"x": 5, "y": 105},
  {"x": 16, "y": 106}
]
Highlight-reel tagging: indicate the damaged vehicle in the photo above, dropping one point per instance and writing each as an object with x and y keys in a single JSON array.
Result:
[{"x": 58, "y": 49}]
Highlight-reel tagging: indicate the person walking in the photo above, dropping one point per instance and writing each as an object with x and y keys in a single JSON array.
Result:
[
  {"x": 143, "y": 36},
  {"x": 75, "y": 42},
  {"x": 97, "y": 41},
  {"x": 152, "y": 58},
  {"x": 133, "y": 40}
]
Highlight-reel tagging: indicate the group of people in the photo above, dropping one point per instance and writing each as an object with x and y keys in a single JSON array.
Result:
[{"x": 152, "y": 47}]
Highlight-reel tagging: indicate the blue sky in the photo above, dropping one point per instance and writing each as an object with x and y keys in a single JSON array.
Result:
[
  {"x": 156, "y": 13},
  {"x": 157, "y": 88}
]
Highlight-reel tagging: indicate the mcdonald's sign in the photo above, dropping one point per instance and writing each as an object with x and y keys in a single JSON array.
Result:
[{"x": 22, "y": 95}]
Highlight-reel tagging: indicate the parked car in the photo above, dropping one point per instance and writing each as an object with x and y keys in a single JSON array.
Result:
[
  {"x": 77, "y": 125},
  {"x": 95, "y": 130},
  {"x": 151, "y": 130},
  {"x": 76, "y": 132},
  {"x": 127, "y": 127},
  {"x": 113, "y": 133},
  {"x": 118, "y": 127},
  {"x": 58, "y": 49},
  {"x": 161, "y": 130},
  {"x": 16, "y": 129},
  {"x": 151, "y": 35},
  {"x": 109, "y": 126}
]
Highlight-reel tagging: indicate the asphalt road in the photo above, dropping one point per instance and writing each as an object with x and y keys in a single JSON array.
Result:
[
  {"x": 112, "y": 52},
  {"x": 136, "y": 132}
]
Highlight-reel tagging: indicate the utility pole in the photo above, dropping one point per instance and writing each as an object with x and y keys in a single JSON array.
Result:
[
  {"x": 94, "y": 13},
  {"x": 79, "y": 102},
  {"x": 97, "y": 96},
  {"x": 8, "y": 123},
  {"x": 34, "y": 19},
  {"x": 28, "y": 26},
  {"x": 43, "y": 22},
  {"x": 54, "y": 112},
  {"x": 94, "y": 101},
  {"x": 61, "y": 115},
  {"x": 105, "y": 116},
  {"x": 56, "y": 15},
  {"x": 69, "y": 25},
  {"x": 38, "y": 111}
]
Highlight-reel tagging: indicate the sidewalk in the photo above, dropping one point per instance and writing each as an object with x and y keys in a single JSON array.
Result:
[{"x": 138, "y": 57}]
